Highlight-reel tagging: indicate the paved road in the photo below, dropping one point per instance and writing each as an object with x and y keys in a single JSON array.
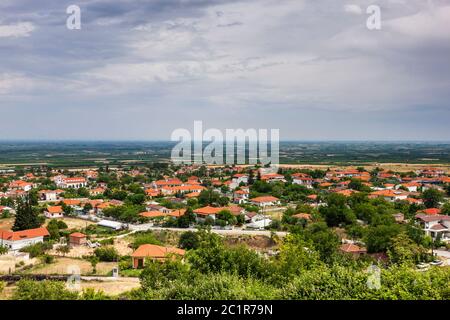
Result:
[{"x": 145, "y": 227}]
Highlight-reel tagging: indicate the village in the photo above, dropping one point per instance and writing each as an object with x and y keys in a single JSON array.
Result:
[{"x": 106, "y": 223}]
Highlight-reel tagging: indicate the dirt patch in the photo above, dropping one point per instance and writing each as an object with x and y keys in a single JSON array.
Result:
[
  {"x": 396, "y": 167},
  {"x": 73, "y": 223},
  {"x": 112, "y": 288},
  {"x": 254, "y": 242},
  {"x": 68, "y": 265}
]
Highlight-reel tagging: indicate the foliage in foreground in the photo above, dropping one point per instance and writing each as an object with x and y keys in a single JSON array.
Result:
[{"x": 53, "y": 290}]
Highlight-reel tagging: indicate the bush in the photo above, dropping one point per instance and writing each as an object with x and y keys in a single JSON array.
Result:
[
  {"x": 106, "y": 242},
  {"x": 107, "y": 254},
  {"x": 145, "y": 238},
  {"x": 189, "y": 240},
  {"x": 62, "y": 224},
  {"x": 47, "y": 259},
  {"x": 43, "y": 290},
  {"x": 3, "y": 250},
  {"x": 37, "y": 249}
]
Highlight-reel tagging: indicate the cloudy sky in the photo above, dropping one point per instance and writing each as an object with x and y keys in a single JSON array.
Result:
[{"x": 140, "y": 69}]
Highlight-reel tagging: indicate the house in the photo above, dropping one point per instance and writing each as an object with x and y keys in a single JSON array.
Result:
[
  {"x": 181, "y": 189},
  {"x": 96, "y": 191},
  {"x": 273, "y": 177},
  {"x": 16, "y": 240},
  {"x": 411, "y": 187},
  {"x": 435, "y": 226},
  {"x": 153, "y": 214},
  {"x": 74, "y": 183},
  {"x": 208, "y": 211},
  {"x": 389, "y": 195},
  {"x": 152, "y": 192},
  {"x": 154, "y": 252},
  {"x": 240, "y": 196},
  {"x": 265, "y": 201},
  {"x": 303, "y": 180},
  {"x": 21, "y": 185},
  {"x": 48, "y": 195},
  {"x": 77, "y": 239},
  {"x": 352, "y": 249},
  {"x": 156, "y": 207},
  {"x": 167, "y": 183},
  {"x": 177, "y": 213},
  {"x": 54, "y": 212}
]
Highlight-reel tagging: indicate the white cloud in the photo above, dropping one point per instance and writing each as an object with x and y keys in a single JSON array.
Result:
[
  {"x": 14, "y": 83},
  {"x": 353, "y": 8},
  {"x": 22, "y": 29}
]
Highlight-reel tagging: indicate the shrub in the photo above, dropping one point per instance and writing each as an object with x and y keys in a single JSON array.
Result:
[
  {"x": 62, "y": 224},
  {"x": 189, "y": 240},
  {"x": 145, "y": 238},
  {"x": 109, "y": 241},
  {"x": 107, "y": 254},
  {"x": 37, "y": 249},
  {"x": 43, "y": 290},
  {"x": 47, "y": 259}
]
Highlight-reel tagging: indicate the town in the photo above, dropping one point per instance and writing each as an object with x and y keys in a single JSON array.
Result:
[{"x": 123, "y": 228}]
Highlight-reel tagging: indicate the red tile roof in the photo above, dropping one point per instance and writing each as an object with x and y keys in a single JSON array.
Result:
[
  {"x": 24, "y": 234},
  {"x": 154, "y": 251}
]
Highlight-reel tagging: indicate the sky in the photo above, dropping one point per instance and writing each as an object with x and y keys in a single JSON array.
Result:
[{"x": 138, "y": 70}]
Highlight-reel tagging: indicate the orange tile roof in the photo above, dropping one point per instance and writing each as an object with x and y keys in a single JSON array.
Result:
[
  {"x": 177, "y": 213},
  {"x": 77, "y": 235},
  {"x": 352, "y": 248},
  {"x": 208, "y": 210},
  {"x": 24, "y": 234},
  {"x": 154, "y": 251},
  {"x": 72, "y": 202},
  {"x": 265, "y": 199},
  {"x": 152, "y": 214},
  {"x": 55, "y": 209},
  {"x": 431, "y": 211}
]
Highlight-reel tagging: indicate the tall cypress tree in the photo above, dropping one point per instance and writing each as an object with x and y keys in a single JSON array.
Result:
[{"x": 26, "y": 217}]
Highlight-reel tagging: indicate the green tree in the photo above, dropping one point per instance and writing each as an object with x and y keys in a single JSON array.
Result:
[
  {"x": 94, "y": 260},
  {"x": 404, "y": 250},
  {"x": 53, "y": 229},
  {"x": 337, "y": 211},
  {"x": 26, "y": 216},
  {"x": 189, "y": 240},
  {"x": 431, "y": 198},
  {"x": 379, "y": 238}
]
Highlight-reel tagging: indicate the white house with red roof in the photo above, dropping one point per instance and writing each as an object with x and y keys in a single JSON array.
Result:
[
  {"x": 74, "y": 183},
  {"x": 16, "y": 240},
  {"x": 54, "y": 212},
  {"x": 21, "y": 185},
  {"x": 303, "y": 180},
  {"x": 435, "y": 226},
  {"x": 265, "y": 201}
]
